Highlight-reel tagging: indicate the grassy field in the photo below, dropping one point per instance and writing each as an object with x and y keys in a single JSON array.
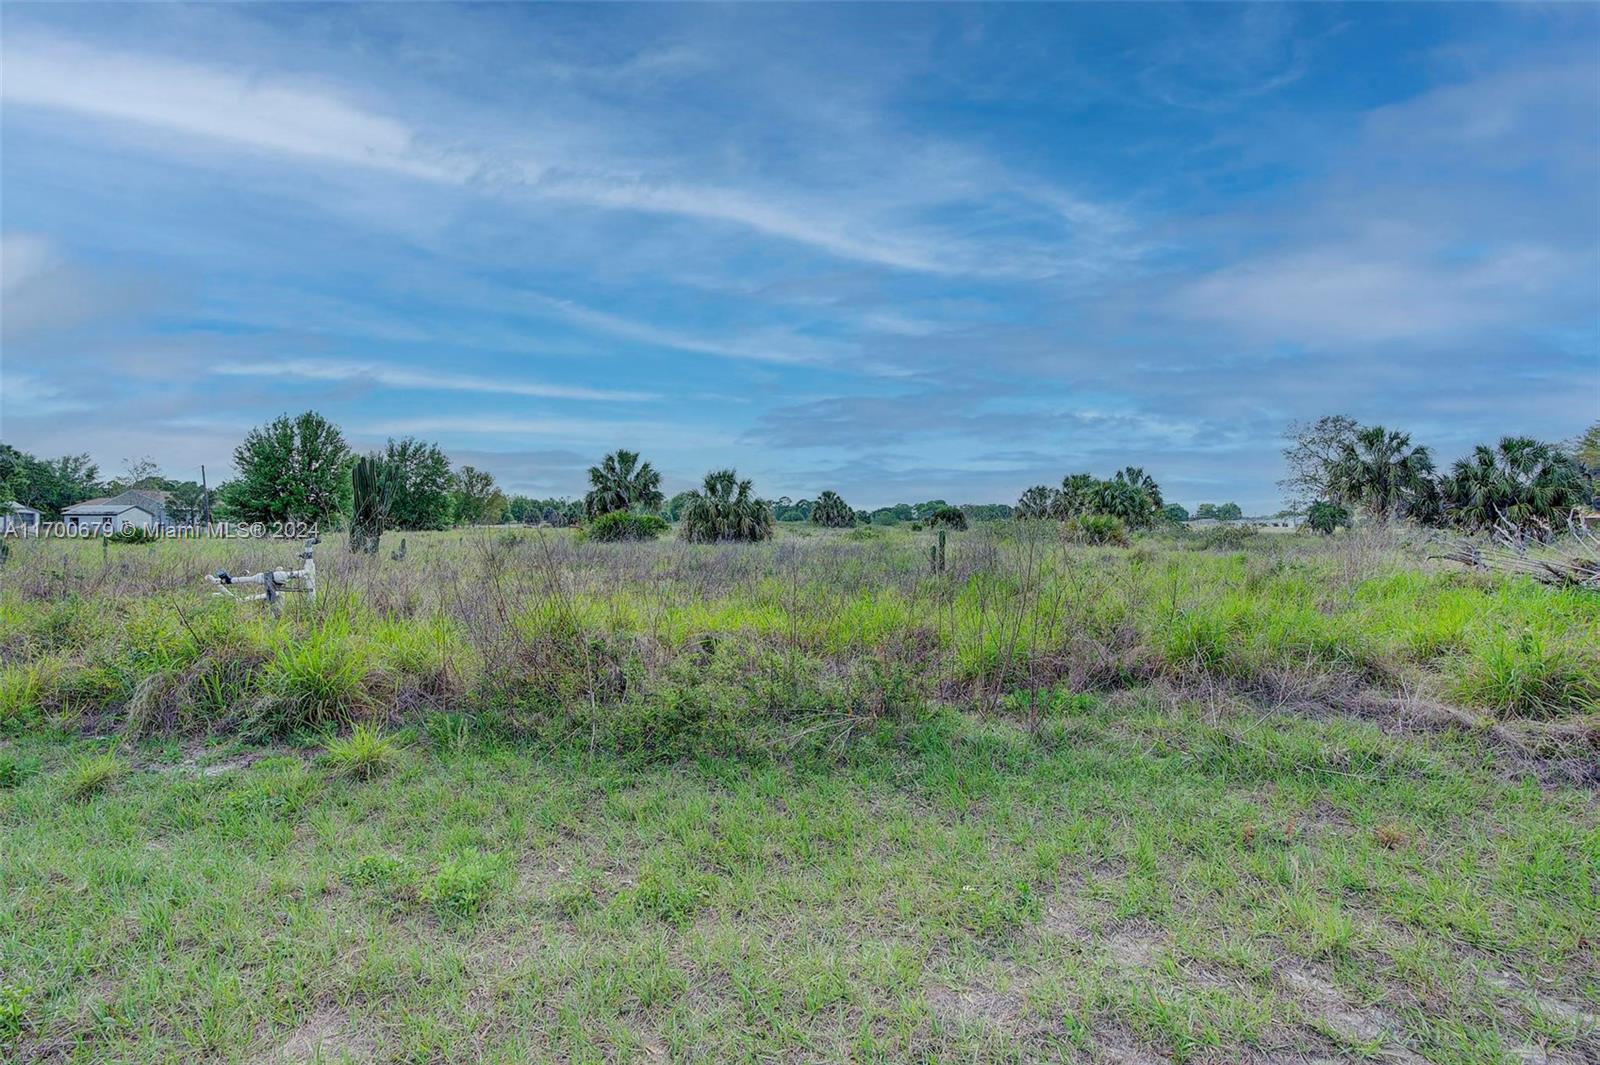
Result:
[{"x": 518, "y": 798}]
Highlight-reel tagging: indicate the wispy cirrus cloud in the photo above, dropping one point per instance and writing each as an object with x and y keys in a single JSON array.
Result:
[
  {"x": 390, "y": 376},
  {"x": 297, "y": 118}
]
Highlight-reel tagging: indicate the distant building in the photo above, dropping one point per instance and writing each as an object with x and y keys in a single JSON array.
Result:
[
  {"x": 17, "y": 519},
  {"x": 137, "y": 508}
]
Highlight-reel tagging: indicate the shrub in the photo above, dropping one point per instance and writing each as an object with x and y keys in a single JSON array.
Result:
[
  {"x": 132, "y": 534},
  {"x": 624, "y": 525},
  {"x": 363, "y": 754},
  {"x": 1325, "y": 517},
  {"x": 92, "y": 775},
  {"x": 1225, "y": 538},
  {"x": 1096, "y": 529}
]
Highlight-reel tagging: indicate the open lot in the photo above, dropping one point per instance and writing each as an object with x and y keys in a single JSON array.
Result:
[{"x": 808, "y": 800}]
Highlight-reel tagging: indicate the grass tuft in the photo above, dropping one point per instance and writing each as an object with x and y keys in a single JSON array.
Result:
[
  {"x": 91, "y": 775},
  {"x": 364, "y": 754}
]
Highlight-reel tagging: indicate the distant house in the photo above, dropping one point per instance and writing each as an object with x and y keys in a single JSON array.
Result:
[
  {"x": 17, "y": 519},
  {"x": 137, "y": 507}
]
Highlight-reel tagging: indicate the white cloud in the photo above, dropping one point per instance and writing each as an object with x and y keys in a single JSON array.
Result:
[
  {"x": 394, "y": 376},
  {"x": 1367, "y": 295},
  {"x": 870, "y": 222},
  {"x": 260, "y": 113}
]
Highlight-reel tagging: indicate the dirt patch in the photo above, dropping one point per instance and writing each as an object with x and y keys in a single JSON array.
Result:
[
  {"x": 974, "y": 1005},
  {"x": 328, "y": 1032},
  {"x": 1327, "y": 1005}
]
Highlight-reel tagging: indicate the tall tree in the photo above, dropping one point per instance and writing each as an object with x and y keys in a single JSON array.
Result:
[
  {"x": 46, "y": 485},
  {"x": 1380, "y": 470},
  {"x": 295, "y": 468},
  {"x": 421, "y": 485},
  {"x": 478, "y": 501},
  {"x": 1311, "y": 459},
  {"x": 1521, "y": 480},
  {"x": 622, "y": 482}
]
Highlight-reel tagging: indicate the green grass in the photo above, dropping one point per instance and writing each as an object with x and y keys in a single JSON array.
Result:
[
  {"x": 805, "y": 800},
  {"x": 1139, "y": 873},
  {"x": 91, "y": 775},
  {"x": 365, "y": 753}
]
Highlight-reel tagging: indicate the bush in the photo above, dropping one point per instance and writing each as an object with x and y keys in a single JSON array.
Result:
[
  {"x": 132, "y": 534},
  {"x": 1096, "y": 529},
  {"x": 1325, "y": 517},
  {"x": 1225, "y": 538},
  {"x": 624, "y": 525}
]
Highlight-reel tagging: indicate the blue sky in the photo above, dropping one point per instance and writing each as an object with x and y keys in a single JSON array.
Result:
[{"x": 903, "y": 252}]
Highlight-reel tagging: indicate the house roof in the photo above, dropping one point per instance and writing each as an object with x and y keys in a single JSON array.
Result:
[
  {"x": 18, "y": 508},
  {"x": 153, "y": 501},
  {"x": 90, "y": 509}
]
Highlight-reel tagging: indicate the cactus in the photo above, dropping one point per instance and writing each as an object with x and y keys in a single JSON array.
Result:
[{"x": 372, "y": 484}]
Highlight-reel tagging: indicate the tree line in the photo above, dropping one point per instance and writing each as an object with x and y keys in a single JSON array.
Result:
[{"x": 1528, "y": 486}]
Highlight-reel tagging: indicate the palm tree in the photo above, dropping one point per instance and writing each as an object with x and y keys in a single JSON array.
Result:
[
  {"x": 1136, "y": 476},
  {"x": 1522, "y": 481},
  {"x": 832, "y": 511},
  {"x": 1380, "y": 470},
  {"x": 622, "y": 482},
  {"x": 1125, "y": 500},
  {"x": 1076, "y": 496},
  {"x": 725, "y": 508}
]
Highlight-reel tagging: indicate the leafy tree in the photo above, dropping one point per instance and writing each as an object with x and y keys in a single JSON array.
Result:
[
  {"x": 675, "y": 505},
  {"x": 1175, "y": 513},
  {"x": 1036, "y": 502},
  {"x": 139, "y": 473},
  {"x": 1586, "y": 448},
  {"x": 949, "y": 517},
  {"x": 1324, "y": 517},
  {"x": 48, "y": 486},
  {"x": 1524, "y": 481},
  {"x": 1205, "y": 511},
  {"x": 725, "y": 508},
  {"x": 421, "y": 484},
  {"x": 1313, "y": 455},
  {"x": 1381, "y": 470},
  {"x": 832, "y": 511},
  {"x": 476, "y": 498},
  {"x": 622, "y": 482},
  {"x": 291, "y": 468},
  {"x": 1227, "y": 512}
]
